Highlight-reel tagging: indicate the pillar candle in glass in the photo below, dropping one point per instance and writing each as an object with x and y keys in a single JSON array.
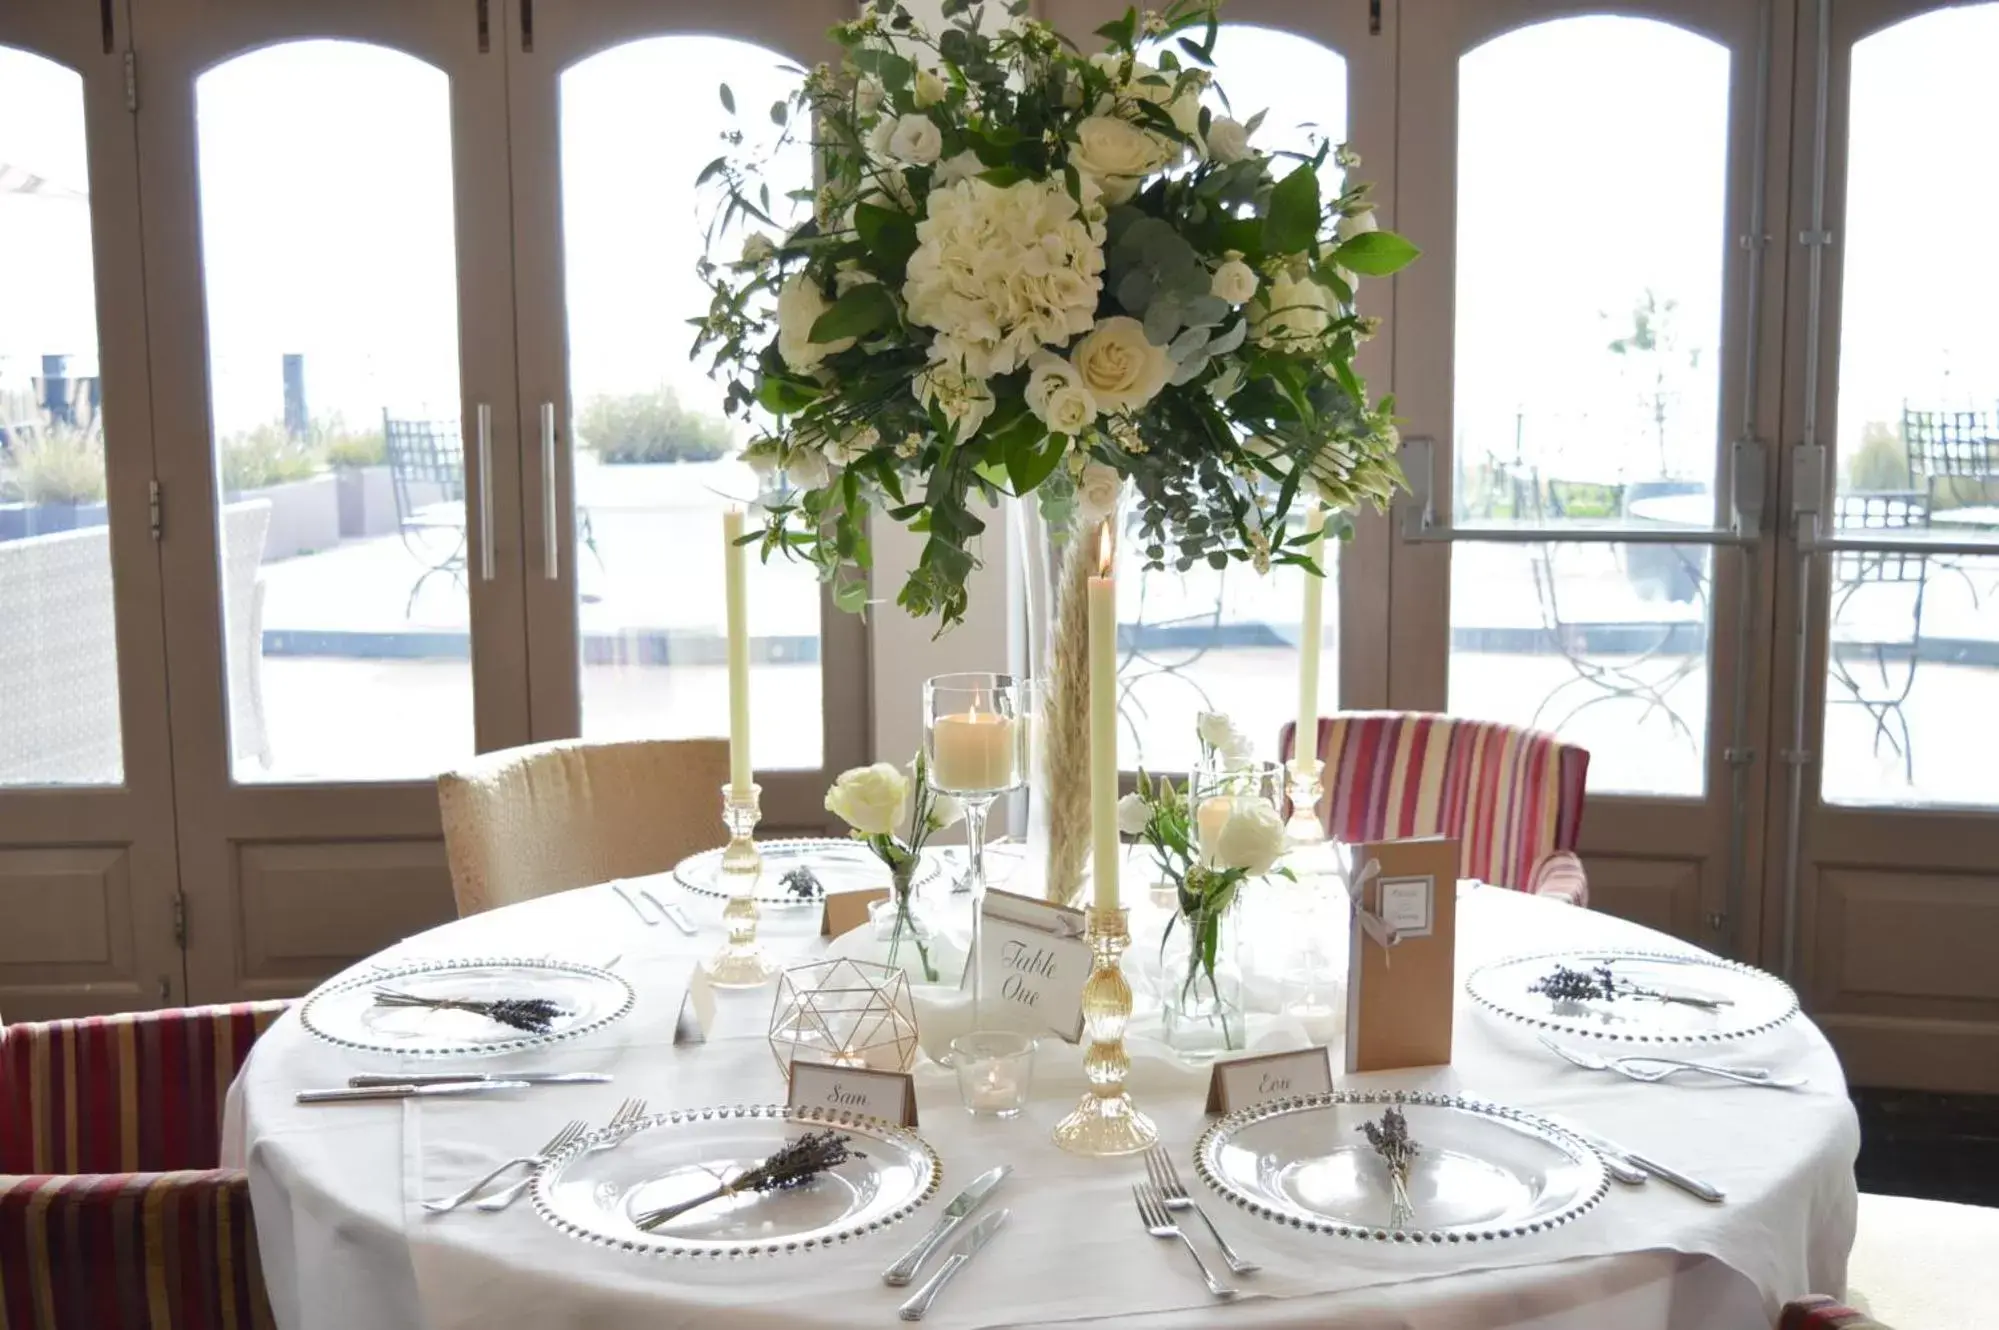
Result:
[{"x": 975, "y": 749}]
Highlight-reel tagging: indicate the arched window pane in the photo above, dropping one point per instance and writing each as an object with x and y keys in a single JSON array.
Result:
[
  {"x": 1914, "y": 639},
  {"x": 59, "y": 716},
  {"x": 329, "y": 267},
  {"x": 1592, "y": 172},
  {"x": 655, "y": 461}
]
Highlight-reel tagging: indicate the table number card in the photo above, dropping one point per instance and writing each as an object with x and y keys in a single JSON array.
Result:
[
  {"x": 1033, "y": 960},
  {"x": 1241, "y": 1082},
  {"x": 1402, "y": 955},
  {"x": 847, "y": 910},
  {"x": 888, "y": 1095}
]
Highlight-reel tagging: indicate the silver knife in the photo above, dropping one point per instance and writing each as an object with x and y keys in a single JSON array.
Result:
[
  {"x": 1615, "y": 1155},
  {"x": 404, "y": 1090},
  {"x": 369, "y": 1080},
  {"x": 918, "y": 1304},
  {"x": 674, "y": 914},
  {"x": 961, "y": 1205}
]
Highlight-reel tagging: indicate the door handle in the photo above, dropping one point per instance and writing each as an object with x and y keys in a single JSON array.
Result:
[
  {"x": 485, "y": 418},
  {"x": 550, "y": 565}
]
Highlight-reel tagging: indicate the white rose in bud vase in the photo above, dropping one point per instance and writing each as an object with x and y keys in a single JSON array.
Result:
[
  {"x": 1359, "y": 223},
  {"x": 799, "y": 305},
  {"x": 929, "y": 89},
  {"x": 1133, "y": 815},
  {"x": 945, "y": 811},
  {"x": 1235, "y": 281},
  {"x": 1252, "y": 838},
  {"x": 1228, "y": 141},
  {"x": 916, "y": 140},
  {"x": 1216, "y": 730},
  {"x": 1119, "y": 365},
  {"x": 870, "y": 799},
  {"x": 806, "y": 468},
  {"x": 1098, "y": 490}
]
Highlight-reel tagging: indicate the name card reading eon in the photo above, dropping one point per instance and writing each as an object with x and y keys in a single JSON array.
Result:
[
  {"x": 1240, "y": 1082},
  {"x": 1033, "y": 960},
  {"x": 888, "y": 1095}
]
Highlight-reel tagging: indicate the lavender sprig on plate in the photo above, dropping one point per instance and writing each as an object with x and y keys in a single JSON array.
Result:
[
  {"x": 793, "y": 1164},
  {"x": 1390, "y": 1139},
  {"x": 535, "y": 1015},
  {"x": 1566, "y": 983}
]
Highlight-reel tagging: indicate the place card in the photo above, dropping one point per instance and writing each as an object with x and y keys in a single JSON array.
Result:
[
  {"x": 1240, "y": 1082},
  {"x": 1402, "y": 955},
  {"x": 1033, "y": 961},
  {"x": 847, "y": 910},
  {"x": 888, "y": 1095}
]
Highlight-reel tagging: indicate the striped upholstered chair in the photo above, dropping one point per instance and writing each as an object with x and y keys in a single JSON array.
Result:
[
  {"x": 1512, "y": 797},
  {"x": 1821, "y": 1313},
  {"x": 114, "y": 1214}
]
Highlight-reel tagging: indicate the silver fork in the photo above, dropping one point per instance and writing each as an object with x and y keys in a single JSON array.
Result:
[
  {"x": 1667, "y": 1067},
  {"x": 1166, "y": 1178},
  {"x": 1159, "y": 1223},
  {"x": 628, "y": 1112},
  {"x": 574, "y": 1128}
]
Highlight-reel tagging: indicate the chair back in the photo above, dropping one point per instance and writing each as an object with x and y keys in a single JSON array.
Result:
[
  {"x": 426, "y": 462},
  {"x": 525, "y": 822},
  {"x": 1509, "y": 796},
  {"x": 1951, "y": 443},
  {"x": 138, "y": 1092}
]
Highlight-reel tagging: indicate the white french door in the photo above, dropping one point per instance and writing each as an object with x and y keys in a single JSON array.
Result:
[
  {"x": 614, "y": 108},
  {"x": 330, "y": 319}
]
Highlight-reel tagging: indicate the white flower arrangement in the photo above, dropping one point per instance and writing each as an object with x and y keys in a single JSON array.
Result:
[
  {"x": 876, "y": 801},
  {"x": 1025, "y": 263}
]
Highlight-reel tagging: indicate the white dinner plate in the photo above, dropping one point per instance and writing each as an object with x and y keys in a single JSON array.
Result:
[
  {"x": 835, "y": 866},
  {"x": 597, "y": 1187},
  {"x": 1482, "y": 1171},
  {"x": 347, "y": 1014},
  {"x": 1748, "y": 1001}
]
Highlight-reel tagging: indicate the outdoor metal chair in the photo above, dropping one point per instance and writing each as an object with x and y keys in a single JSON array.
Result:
[
  {"x": 1876, "y": 621},
  {"x": 427, "y": 470}
]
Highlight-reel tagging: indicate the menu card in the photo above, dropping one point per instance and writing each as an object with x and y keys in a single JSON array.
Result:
[{"x": 1402, "y": 955}]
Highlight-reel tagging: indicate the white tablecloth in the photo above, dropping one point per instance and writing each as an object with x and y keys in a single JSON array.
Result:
[{"x": 345, "y": 1246}]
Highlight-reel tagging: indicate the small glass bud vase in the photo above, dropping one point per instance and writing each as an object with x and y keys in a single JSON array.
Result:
[
  {"x": 1106, "y": 1122},
  {"x": 741, "y": 963}
]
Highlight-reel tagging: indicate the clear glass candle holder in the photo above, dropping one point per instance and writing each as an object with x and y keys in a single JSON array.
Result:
[
  {"x": 995, "y": 1072},
  {"x": 975, "y": 746}
]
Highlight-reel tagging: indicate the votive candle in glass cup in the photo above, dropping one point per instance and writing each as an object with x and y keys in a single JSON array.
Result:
[{"x": 995, "y": 1072}]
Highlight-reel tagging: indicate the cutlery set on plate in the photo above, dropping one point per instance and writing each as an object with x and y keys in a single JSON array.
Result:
[
  {"x": 615, "y": 1133},
  {"x": 961, "y": 1207},
  {"x": 632, "y": 893}
]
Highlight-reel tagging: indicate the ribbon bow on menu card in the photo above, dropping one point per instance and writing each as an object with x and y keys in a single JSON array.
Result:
[{"x": 1404, "y": 900}]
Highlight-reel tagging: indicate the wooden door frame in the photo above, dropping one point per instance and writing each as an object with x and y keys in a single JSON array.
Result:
[
  {"x": 1637, "y": 848},
  {"x": 563, "y": 36},
  {"x": 324, "y": 840},
  {"x": 107, "y": 850}
]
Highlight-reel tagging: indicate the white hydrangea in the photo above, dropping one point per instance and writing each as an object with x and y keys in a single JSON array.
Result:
[{"x": 1002, "y": 271}]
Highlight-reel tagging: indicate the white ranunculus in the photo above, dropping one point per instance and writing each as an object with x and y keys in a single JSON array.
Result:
[
  {"x": 929, "y": 89},
  {"x": 806, "y": 468},
  {"x": 870, "y": 799},
  {"x": 1228, "y": 141},
  {"x": 799, "y": 305},
  {"x": 966, "y": 400},
  {"x": 1133, "y": 815},
  {"x": 1252, "y": 838},
  {"x": 869, "y": 95},
  {"x": 1359, "y": 223},
  {"x": 961, "y": 165},
  {"x": 1002, "y": 271},
  {"x": 916, "y": 140},
  {"x": 1235, "y": 281},
  {"x": 1119, "y": 365},
  {"x": 1098, "y": 489},
  {"x": 1118, "y": 155},
  {"x": 1291, "y": 312},
  {"x": 757, "y": 249},
  {"x": 946, "y": 810}
]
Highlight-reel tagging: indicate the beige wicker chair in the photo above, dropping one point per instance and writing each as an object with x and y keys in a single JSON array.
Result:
[{"x": 525, "y": 822}]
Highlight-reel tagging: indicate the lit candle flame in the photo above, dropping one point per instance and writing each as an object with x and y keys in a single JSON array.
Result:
[{"x": 1105, "y": 550}]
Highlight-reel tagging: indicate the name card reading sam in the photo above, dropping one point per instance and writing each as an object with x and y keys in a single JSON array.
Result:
[
  {"x": 888, "y": 1095},
  {"x": 1033, "y": 960},
  {"x": 1240, "y": 1082}
]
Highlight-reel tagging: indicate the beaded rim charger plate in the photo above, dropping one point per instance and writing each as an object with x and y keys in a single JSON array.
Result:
[
  {"x": 837, "y": 866},
  {"x": 1482, "y": 1171},
  {"x": 1719, "y": 999},
  {"x": 597, "y": 1187},
  {"x": 346, "y": 1013}
]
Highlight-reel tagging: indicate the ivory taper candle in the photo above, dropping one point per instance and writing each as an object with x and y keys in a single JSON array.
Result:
[
  {"x": 1103, "y": 725},
  {"x": 1310, "y": 631},
  {"x": 739, "y": 654}
]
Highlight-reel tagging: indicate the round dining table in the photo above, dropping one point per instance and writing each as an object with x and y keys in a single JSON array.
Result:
[{"x": 347, "y": 1245}]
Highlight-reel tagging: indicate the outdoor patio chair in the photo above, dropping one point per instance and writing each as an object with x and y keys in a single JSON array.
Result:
[
  {"x": 1874, "y": 641},
  {"x": 427, "y": 471}
]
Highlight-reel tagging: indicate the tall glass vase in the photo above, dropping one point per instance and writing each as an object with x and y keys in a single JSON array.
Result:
[{"x": 1200, "y": 983}]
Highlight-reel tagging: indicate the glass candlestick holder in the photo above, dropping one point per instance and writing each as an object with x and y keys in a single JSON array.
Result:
[
  {"x": 1105, "y": 1122},
  {"x": 741, "y": 963},
  {"x": 1305, "y": 790},
  {"x": 975, "y": 733}
]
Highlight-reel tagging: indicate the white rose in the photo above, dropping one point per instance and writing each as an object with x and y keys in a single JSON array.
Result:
[
  {"x": 868, "y": 96},
  {"x": 870, "y": 799},
  {"x": 799, "y": 305},
  {"x": 1216, "y": 730},
  {"x": 945, "y": 811},
  {"x": 958, "y": 166},
  {"x": 806, "y": 468},
  {"x": 1056, "y": 395},
  {"x": 1251, "y": 839},
  {"x": 1359, "y": 223},
  {"x": 1133, "y": 815},
  {"x": 1117, "y": 154},
  {"x": 757, "y": 249},
  {"x": 1294, "y": 311},
  {"x": 1119, "y": 365},
  {"x": 1098, "y": 490},
  {"x": 916, "y": 140},
  {"x": 1235, "y": 281},
  {"x": 880, "y": 138},
  {"x": 929, "y": 89},
  {"x": 1228, "y": 141}
]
